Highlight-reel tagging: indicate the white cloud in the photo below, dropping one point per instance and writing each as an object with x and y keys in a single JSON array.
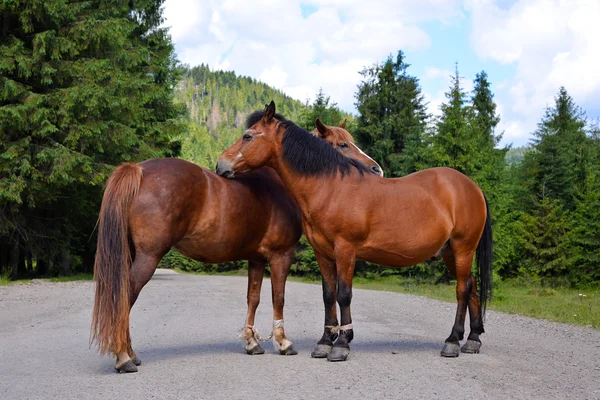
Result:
[
  {"x": 271, "y": 40},
  {"x": 552, "y": 43}
]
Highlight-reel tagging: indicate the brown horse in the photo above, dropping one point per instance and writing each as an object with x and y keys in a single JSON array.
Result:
[
  {"x": 399, "y": 222},
  {"x": 159, "y": 204}
]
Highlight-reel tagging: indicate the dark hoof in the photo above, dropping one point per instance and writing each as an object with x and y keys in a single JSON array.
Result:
[
  {"x": 450, "y": 349},
  {"x": 321, "y": 351},
  {"x": 127, "y": 366},
  {"x": 471, "y": 347},
  {"x": 290, "y": 351},
  {"x": 338, "y": 354},
  {"x": 136, "y": 361},
  {"x": 255, "y": 350}
]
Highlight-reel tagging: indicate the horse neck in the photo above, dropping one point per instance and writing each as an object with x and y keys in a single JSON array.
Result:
[{"x": 303, "y": 188}]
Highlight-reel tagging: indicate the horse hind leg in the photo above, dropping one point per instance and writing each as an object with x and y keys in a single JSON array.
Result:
[
  {"x": 280, "y": 268},
  {"x": 459, "y": 265},
  {"x": 142, "y": 270},
  {"x": 473, "y": 343},
  {"x": 256, "y": 273}
]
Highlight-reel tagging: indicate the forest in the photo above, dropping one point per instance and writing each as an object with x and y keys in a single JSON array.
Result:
[{"x": 87, "y": 86}]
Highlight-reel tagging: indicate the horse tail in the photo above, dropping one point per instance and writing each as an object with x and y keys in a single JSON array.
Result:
[
  {"x": 484, "y": 261},
  {"x": 110, "y": 318}
]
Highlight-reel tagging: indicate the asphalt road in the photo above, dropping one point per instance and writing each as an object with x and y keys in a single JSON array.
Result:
[{"x": 185, "y": 329}]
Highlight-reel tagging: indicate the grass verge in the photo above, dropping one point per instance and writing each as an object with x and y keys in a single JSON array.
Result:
[{"x": 571, "y": 306}]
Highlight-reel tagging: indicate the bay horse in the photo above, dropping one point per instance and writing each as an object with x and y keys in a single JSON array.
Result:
[
  {"x": 159, "y": 204},
  {"x": 348, "y": 215}
]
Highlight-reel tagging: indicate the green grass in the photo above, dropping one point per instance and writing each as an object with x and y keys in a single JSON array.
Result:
[
  {"x": 571, "y": 306},
  {"x": 77, "y": 277}
]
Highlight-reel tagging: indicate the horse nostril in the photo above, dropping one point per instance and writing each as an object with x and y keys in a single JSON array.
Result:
[{"x": 376, "y": 169}]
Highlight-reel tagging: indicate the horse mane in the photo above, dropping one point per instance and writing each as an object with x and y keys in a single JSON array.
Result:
[
  {"x": 310, "y": 155},
  {"x": 257, "y": 116}
]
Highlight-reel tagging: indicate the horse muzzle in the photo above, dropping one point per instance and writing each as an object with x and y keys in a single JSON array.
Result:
[{"x": 224, "y": 168}]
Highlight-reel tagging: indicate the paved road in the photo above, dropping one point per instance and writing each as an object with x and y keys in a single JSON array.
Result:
[{"x": 185, "y": 330}]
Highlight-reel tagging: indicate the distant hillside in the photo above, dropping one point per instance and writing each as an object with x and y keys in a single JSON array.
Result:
[
  {"x": 516, "y": 154},
  {"x": 218, "y": 104}
]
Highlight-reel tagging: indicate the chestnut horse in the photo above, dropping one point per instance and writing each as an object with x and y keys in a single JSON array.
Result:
[
  {"x": 399, "y": 222},
  {"x": 151, "y": 207}
]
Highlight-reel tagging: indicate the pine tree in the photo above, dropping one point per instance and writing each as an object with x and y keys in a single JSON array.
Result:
[
  {"x": 329, "y": 113},
  {"x": 546, "y": 239},
  {"x": 392, "y": 116},
  {"x": 558, "y": 164},
  {"x": 585, "y": 237},
  {"x": 83, "y": 87},
  {"x": 453, "y": 143}
]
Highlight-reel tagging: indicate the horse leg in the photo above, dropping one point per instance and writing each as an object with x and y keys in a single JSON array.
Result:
[
  {"x": 256, "y": 273},
  {"x": 329, "y": 282},
  {"x": 460, "y": 264},
  {"x": 345, "y": 272},
  {"x": 473, "y": 343},
  {"x": 142, "y": 269},
  {"x": 280, "y": 267}
]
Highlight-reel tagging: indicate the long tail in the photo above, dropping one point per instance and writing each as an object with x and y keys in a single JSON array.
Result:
[
  {"x": 484, "y": 262},
  {"x": 110, "y": 318}
]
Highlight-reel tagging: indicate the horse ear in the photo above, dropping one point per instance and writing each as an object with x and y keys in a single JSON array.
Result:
[
  {"x": 321, "y": 128},
  {"x": 270, "y": 111},
  {"x": 343, "y": 125}
]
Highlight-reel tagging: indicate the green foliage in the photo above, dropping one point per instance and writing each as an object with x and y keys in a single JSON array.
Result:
[
  {"x": 321, "y": 108},
  {"x": 83, "y": 87},
  {"x": 218, "y": 103},
  {"x": 392, "y": 116},
  {"x": 173, "y": 260},
  {"x": 557, "y": 166},
  {"x": 546, "y": 233}
]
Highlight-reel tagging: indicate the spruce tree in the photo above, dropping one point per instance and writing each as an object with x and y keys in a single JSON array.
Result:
[
  {"x": 453, "y": 143},
  {"x": 84, "y": 86},
  {"x": 392, "y": 116},
  {"x": 546, "y": 235},
  {"x": 558, "y": 164}
]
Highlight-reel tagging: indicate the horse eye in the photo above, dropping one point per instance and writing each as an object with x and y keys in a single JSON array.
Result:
[
  {"x": 343, "y": 145},
  {"x": 247, "y": 137}
]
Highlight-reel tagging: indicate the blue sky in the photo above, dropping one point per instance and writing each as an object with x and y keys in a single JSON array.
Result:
[{"x": 529, "y": 48}]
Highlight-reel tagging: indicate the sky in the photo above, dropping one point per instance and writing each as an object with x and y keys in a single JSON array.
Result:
[{"x": 528, "y": 48}]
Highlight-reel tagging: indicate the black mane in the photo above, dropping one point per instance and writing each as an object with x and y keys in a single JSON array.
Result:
[
  {"x": 257, "y": 116},
  {"x": 310, "y": 155}
]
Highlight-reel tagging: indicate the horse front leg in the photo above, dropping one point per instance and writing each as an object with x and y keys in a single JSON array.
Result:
[
  {"x": 256, "y": 273},
  {"x": 329, "y": 280},
  {"x": 345, "y": 271},
  {"x": 280, "y": 268}
]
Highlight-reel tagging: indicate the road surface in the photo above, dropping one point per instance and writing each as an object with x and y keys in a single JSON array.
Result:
[{"x": 185, "y": 329}]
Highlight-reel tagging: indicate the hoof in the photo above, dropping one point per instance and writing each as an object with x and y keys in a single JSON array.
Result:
[
  {"x": 471, "y": 347},
  {"x": 127, "y": 366},
  {"x": 136, "y": 360},
  {"x": 450, "y": 349},
  {"x": 290, "y": 351},
  {"x": 338, "y": 354},
  {"x": 321, "y": 351},
  {"x": 255, "y": 350}
]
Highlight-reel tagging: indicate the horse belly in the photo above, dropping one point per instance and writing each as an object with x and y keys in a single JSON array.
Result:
[{"x": 404, "y": 254}]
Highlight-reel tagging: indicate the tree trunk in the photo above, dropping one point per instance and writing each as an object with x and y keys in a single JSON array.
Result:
[
  {"x": 14, "y": 262},
  {"x": 42, "y": 267},
  {"x": 65, "y": 263}
]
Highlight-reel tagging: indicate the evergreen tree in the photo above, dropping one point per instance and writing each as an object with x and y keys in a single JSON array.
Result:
[
  {"x": 329, "y": 113},
  {"x": 392, "y": 116},
  {"x": 558, "y": 164},
  {"x": 453, "y": 143},
  {"x": 546, "y": 239},
  {"x": 585, "y": 237},
  {"x": 83, "y": 87}
]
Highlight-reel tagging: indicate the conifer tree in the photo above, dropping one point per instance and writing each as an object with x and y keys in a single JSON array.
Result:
[
  {"x": 392, "y": 116},
  {"x": 84, "y": 86}
]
